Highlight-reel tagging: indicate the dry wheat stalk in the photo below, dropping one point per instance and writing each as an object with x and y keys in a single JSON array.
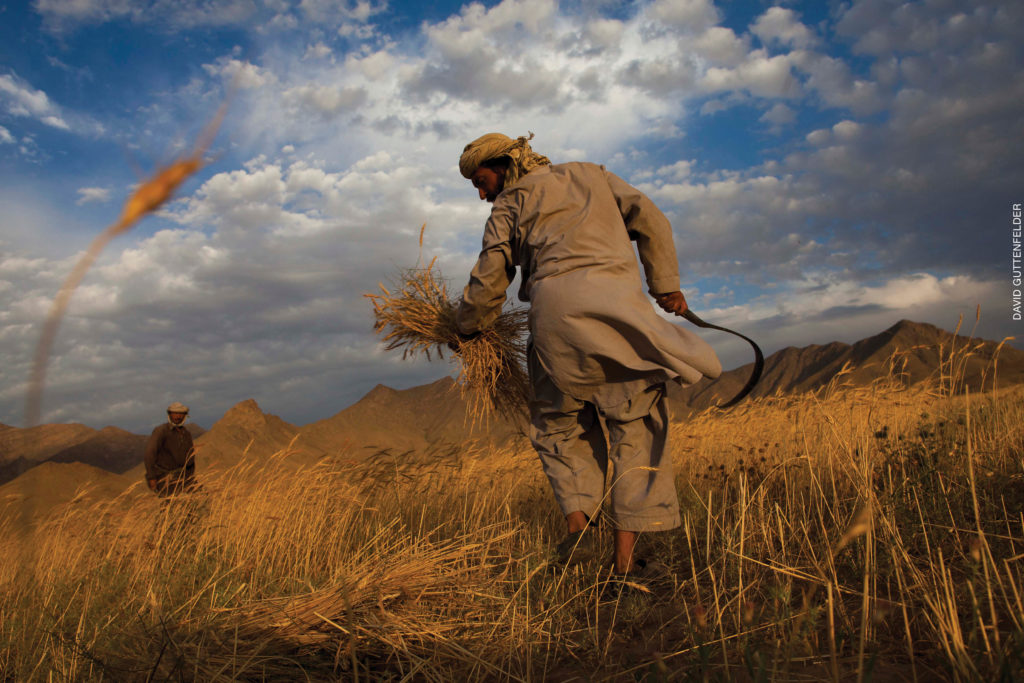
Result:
[
  {"x": 146, "y": 199},
  {"x": 418, "y": 317}
]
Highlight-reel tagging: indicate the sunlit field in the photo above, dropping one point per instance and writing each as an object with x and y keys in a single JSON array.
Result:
[{"x": 857, "y": 534}]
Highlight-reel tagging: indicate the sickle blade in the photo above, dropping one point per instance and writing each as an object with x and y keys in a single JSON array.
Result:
[{"x": 758, "y": 357}]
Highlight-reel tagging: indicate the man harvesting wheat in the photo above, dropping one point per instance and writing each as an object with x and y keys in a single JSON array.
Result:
[{"x": 597, "y": 347}]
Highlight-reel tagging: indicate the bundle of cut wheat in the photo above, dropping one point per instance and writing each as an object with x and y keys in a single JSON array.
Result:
[{"x": 420, "y": 318}]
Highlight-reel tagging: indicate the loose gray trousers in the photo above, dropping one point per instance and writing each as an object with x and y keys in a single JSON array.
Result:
[{"x": 574, "y": 453}]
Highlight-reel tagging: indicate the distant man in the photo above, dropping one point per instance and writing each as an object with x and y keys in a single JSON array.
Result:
[
  {"x": 597, "y": 347},
  {"x": 170, "y": 454}
]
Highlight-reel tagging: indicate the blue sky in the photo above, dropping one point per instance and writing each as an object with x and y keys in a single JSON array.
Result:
[{"x": 829, "y": 168}]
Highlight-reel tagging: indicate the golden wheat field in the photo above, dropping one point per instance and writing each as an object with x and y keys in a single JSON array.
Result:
[{"x": 860, "y": 534}]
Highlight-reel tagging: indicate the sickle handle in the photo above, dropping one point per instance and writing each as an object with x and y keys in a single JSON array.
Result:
[{"x": 758, "y": 357}]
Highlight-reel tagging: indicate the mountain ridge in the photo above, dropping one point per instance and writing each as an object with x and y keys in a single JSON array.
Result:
[
  {"x": 387, "y": 420},
  {"x": 909, "y": 350}
]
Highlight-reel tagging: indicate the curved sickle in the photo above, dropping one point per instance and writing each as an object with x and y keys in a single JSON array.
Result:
[{"x": 758, "y": 357}]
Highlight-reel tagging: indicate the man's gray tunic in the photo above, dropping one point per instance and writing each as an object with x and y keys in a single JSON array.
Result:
[{"x": 569, "y": 227}]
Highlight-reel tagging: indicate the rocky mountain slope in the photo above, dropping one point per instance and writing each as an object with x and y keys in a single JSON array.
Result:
[
  {"x": 393, "y": 420},
  {"x": 910, "y": 351},
  {"x": 23, "y": 449}
]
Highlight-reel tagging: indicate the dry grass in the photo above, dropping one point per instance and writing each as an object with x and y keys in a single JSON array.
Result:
[
  {"x": 872, "y": 533},
  {"x": 419, "y": 318}
]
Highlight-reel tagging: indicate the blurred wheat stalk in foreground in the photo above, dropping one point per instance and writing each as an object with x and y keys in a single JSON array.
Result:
[
  {"x": 419, "y": 318},
  {"x": 149, "y": 196}
]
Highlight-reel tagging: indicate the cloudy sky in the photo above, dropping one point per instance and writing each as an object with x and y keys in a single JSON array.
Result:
[{"x": 829, "y": 168}]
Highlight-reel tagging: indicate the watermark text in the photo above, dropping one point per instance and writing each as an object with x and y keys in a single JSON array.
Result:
[{"x": 1015, "y": 260}]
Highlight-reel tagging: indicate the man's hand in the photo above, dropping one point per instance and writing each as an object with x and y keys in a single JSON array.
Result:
[
  {"x": 672, "y": 302},
  {"x": 455, "y": 345}
]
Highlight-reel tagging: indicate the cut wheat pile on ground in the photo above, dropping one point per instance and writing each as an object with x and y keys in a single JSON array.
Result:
[
  {"x": 419, "y": 319},
  {"x": 868, "y": 534}
]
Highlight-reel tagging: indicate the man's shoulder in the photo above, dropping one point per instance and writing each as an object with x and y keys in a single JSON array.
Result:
[
  {"x": 160, "y": 429},
  {"x": 579, "y": 171},
  {"x": 571, "y": 172},
  {"x": 578, "y": 166}
]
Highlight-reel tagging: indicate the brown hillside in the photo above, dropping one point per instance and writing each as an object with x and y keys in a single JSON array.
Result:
[
  {"x": 387, "y": 419},
  {"x": 44, "y": 488},
  {"x": 110, "y": 449},
  {"x": 912, "y": 351},
  {"x": 246, "y": 432},
  {"x": 22, "y": 449}
]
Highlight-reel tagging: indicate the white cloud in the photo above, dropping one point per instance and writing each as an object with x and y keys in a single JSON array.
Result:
[
  {"x": 318, "y": 51},
  {"x": 758, "y": 74},
  {"x": 779, "y": 115},
  {"x": 712, "y": 107},
  {"x": 819, "y": 137},
  {"x": 846, "y": 130},
  {"x": 604, "y": 33},
  {"x": 779, "y": 25},
  {"x": 338, "y": 11},
  {"x": 21, "y": 99},
  {"x": 906, "y": 293},
  {"x": 6, "y": 137},
  {"x": 92, "y": 194},
  {"x": 326, "y": 100},
  {"x": 240, "y": 74},
  {"x": 248, "y": 200},
  {"x": 55, "y": 121},
  {"x": 907, "y": 27},
  {"x": 721, "y": 46},
  {"x": 280, "y": 22},
  {"x": 473, "y": 61},
  {"x": 62, "y": 15},
  {"x": 82, "y": 10},
  {"x": 835, "y": 83},
  {"x": 374, "y": 66},
  {"x": 677, "y": 171},
  {"x": 262, "y": 16},
  {"x": 685, "y": 15}
]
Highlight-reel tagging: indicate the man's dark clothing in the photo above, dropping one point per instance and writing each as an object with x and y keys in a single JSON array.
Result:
[{"x": 170, "y": 458}]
